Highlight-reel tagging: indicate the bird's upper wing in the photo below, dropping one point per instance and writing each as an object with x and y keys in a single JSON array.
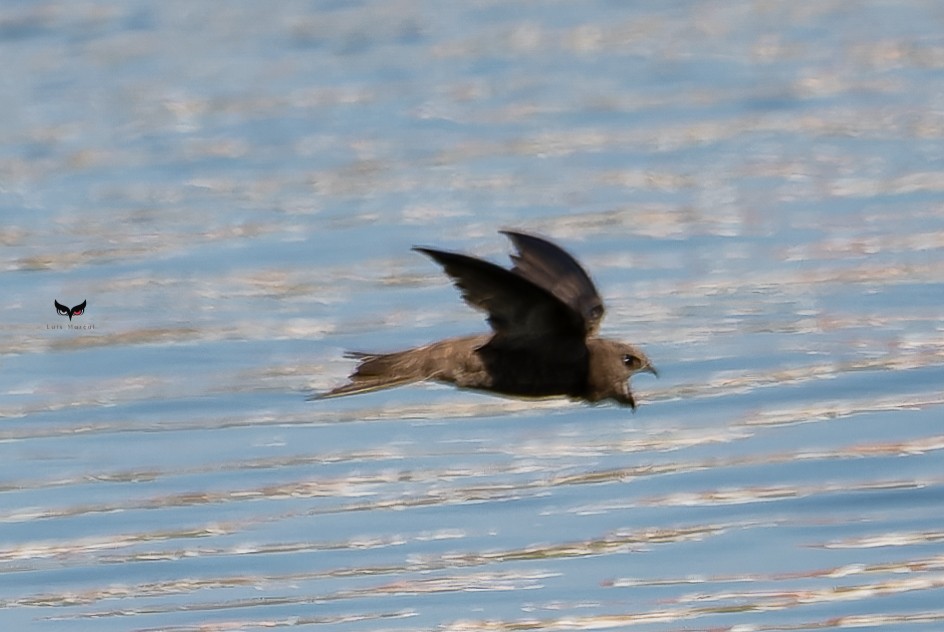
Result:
[
  {"x": 517, "y": 307},
  {"x": 548, "y": 266}
]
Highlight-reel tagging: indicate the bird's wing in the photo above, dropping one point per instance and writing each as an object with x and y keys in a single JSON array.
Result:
[
  {"x": 517, "y": 307},
  {"x": 548, "y": 266}
]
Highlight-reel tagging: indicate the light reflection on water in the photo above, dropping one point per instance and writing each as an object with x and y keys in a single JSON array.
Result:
[{"x": 758, "y": 205}]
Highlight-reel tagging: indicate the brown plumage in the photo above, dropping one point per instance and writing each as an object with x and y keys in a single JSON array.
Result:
[{"x": 544, "y": 314}]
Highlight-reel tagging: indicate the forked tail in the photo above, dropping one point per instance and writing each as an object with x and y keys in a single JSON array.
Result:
[{"x": 377, "y": 371}]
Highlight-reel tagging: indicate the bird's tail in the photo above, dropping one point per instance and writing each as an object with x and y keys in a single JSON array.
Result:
[{"x": 377, "y": 371}]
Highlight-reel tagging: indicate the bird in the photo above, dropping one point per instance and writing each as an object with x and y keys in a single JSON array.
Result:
[{"x": 544, "y": 314}]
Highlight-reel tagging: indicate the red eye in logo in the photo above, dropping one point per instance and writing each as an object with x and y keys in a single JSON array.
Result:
[{"x": 62, "y": 310}]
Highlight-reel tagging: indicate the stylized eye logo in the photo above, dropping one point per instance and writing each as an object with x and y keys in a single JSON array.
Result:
[{"x": 78, "y": 310}]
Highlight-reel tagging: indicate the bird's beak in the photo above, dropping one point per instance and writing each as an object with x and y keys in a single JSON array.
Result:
[{"x": 651, "y": 369}]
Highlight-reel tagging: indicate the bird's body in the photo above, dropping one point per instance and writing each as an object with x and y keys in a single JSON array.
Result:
[{"x": 544, "y": 313}]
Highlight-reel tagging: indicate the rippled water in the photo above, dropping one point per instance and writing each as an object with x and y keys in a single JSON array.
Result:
[{"x": 234, "y": 188}]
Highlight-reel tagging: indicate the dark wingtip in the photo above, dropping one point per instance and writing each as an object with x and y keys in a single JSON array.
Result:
[
  {"x": 439, "y": 256},
  {"x": 426, "y": 250},
  {"x": 516, "y": 235}
]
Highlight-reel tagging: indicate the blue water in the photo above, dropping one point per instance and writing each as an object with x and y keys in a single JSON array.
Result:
[{"x": 234, "y": 189}]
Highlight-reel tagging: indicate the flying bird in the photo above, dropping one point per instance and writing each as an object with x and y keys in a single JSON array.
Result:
[{"x": 544, "y": 314}]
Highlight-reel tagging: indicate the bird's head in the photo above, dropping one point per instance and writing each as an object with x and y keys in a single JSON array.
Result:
[{"x": 612, "y": 363}]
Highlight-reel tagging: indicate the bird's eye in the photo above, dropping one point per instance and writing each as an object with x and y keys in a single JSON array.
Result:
[{"x": 631, "y": 361}]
